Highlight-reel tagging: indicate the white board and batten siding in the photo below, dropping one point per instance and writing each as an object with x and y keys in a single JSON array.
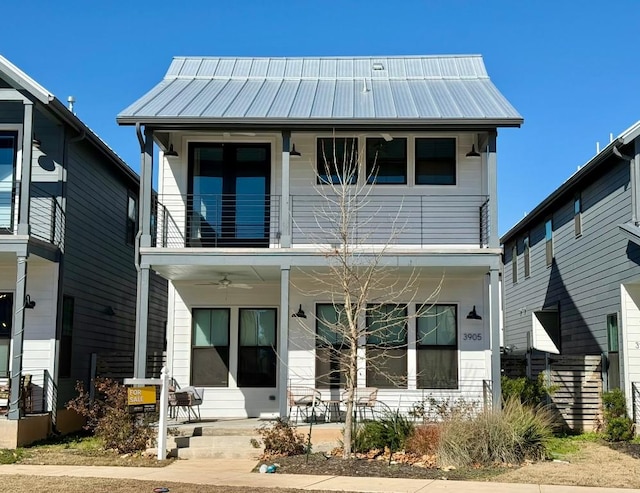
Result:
[
  {"x": 473, "y": 360},
  {"x": 630, "y": 342}
]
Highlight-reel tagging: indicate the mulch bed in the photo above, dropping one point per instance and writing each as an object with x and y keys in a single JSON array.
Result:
[
  {"x": 322, "y": 464},
  {"x": 632, "y": 449}
]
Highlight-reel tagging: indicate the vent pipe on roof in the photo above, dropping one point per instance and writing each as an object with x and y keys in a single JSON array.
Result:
[
  {"x": 71, "y": 100},
  {"x": 597, "y": 147},
  {"x": 610, "y": 137}
]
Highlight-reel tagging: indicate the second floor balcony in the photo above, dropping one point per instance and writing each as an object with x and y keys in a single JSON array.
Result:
[{"x": 240, "y": 221}]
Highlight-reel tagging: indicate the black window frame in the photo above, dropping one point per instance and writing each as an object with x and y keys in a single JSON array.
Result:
[
  {"x": 613, "y": 343},
  {"x": 330, "y": 356},
  {"x": 577, "y": 214},
  {"x": 514, "y": 263},
  {"x": 6, "y": 328},
  {"x": 377, "y": 163},
  {"x": 382, "y": 354},
  {"x": 15, "y": 135},
  {"x": 131, "y": 224},
  {"x": 548, "y": 241},
  {"x": 526, "y": 255},
  {"x": 245, "y": 353},
  {"x": 421, "y": 379},
  {"x": 337, "y": 168},
  {"x": 435, "y": 160},
  {"x": 221, "y": 351}
]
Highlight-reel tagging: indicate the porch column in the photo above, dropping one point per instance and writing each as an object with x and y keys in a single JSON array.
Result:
[
  {"x": 492, "y": 190},
  {"x": 143, "y": 239},
  {"x": 285, "y": 200},
  {"x": 494, "y": 323},
  {"x": 283, "y": 342},
  {"x": 17, "y": 336}
]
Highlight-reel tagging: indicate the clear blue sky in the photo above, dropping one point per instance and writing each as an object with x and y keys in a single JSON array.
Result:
[{"x": 570, "y": 68}]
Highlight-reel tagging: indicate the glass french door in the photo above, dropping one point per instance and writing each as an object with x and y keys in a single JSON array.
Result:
[
  {"x": 228, "y": 203},
  {"x": 7, "y": 176}
]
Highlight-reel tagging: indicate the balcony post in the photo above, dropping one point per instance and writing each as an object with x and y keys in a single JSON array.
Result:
[
  {"x": 285, "y": 201},
  {"x": 283, "y": 342},
  {"x": 494, "y": 324},
  {"x": 492, "y": 191},
  {"x": 143, "y": 239}
]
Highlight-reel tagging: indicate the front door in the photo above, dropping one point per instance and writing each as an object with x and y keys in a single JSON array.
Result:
[{"x": 228, "y": 203}]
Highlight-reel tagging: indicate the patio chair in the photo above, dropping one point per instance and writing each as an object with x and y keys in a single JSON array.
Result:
[
  {"x": 363, "y": 399},
  {"x": 305, "y": 400},
  {"x": 187, "y": 399}
]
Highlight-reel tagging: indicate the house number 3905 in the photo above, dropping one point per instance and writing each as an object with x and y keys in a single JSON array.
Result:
[{"x": 474, "y": 336}]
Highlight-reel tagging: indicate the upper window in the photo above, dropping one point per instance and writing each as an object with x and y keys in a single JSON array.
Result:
[
  {"x": 210, "y": 347},
  {"x": 387, "y": 346},
  {"x": 331, "y": 348},
  {"x": 387, "y": 161},
  {"x": 257, "y": 361},
  {"x": 548, "y": 237},
  {"x": 514, "y": 263},
  {"x": 132, "y": 218},
  {"x": 337, "y": 160},
  {"x": 436, "y": 161},
  {"x": 8, "y": 142},
  {"x": 437, "y": 347},
  {"x": 612, "y": 332},
  {"x": 526, "y": 256},
  {"x": 577, "y": 214}
]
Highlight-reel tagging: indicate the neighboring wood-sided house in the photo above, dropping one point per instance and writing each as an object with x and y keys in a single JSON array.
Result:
[
  {"x": 68, "y": 222},
  {"x": 572, "y": 267},
  {"x": 238, "y": 231}
]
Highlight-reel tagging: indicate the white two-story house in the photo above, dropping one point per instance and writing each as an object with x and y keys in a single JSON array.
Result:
[{"x": 238, "y": 228}]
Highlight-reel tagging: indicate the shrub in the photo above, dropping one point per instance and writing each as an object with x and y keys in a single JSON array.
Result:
[
  {"x": 281, "y": 439},
  {"x": 424, "y": 440},
  {"x": 528, "y": 391},
  {"x": 516, "y": 433},
  {"x": 391, "y": 431},
  {"x": 618, "y": 426},
  {"x": 431, "y": 410},
  {"x": 109, "y": 419}
]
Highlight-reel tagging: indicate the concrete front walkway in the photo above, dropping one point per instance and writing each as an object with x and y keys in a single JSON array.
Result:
[{"x": 237, "y": 473}]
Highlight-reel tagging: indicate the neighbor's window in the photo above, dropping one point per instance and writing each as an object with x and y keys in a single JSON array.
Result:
[
  {"x": 331, "y": 347},
  {"x": 548, "y": 237},
  {"x": 577, "y": 215},
  {"x": 387, "y": 346},
  {"x": 8, "y": 143},
  {"x": 612, "y": 332},
  {"x": 6, "y": 319},
  {"x": 210, "y": 347},
  {"x": 437, "y": 346},
  {"x": 436, "y": 161},
  {"x": 526, "y": 257},
  {"x": 387, "y": 161},
  {"x": 132, "y": 218},
  {"x": 337, "y": 160},
  {"x": 257, "y": 362},
  {"x": 514, "y": 263},
  {"x": 66, "y": 336}
]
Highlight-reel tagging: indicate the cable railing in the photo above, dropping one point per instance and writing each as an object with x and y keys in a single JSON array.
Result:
[{"x": 227, "y": 220}]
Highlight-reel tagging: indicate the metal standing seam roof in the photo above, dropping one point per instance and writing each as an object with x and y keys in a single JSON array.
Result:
[{"x": 269, "y": 90}]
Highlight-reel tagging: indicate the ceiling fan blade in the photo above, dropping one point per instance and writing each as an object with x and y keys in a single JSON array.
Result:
[{"x": 241, "y": 286}]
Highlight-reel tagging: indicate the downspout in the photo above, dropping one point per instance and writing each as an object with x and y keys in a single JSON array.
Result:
[{"x": 136, "y": 243}]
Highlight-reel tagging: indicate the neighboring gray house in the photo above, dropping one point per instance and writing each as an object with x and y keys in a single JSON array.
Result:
[
  {"x": 242, "y": 186},
  {"x": 572, "y": 266},
  {"x": 68, "y": 220}
]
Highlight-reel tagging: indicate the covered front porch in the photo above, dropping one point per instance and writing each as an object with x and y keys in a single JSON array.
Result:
[{"x": 244, "y": 334}]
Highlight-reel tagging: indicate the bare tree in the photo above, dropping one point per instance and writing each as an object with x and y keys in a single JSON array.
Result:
[{"x": 366, "y": 319}]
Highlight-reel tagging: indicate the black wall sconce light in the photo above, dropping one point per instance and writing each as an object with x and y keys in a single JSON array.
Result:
[
  {"x": 293, "y": 151},
  {"x": 171, "y": 151},
  {"x": 473, "y": 315},
  {"x": 300, "y": 313},
  {"x": 29, "y": 303},
  {"x": 473, "y": 152}
]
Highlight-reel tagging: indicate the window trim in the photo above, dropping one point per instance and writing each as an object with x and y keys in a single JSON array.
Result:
[
  {"x": 16, "y": 132},
  {"x": 416, "y": 138},
  {"x": 577, "y": 214},
  {"x": 335, "y": 348},
  {"x": 456, "y": 346},
  {"x": 526, "y": 255},
  {"x": 8, "y": 337},
  {"x": 228, "y": 346},
  {"x": 514, "y": 262},
  {"x": 548, "y": 241},
  {"x": 609, "y": 347}
]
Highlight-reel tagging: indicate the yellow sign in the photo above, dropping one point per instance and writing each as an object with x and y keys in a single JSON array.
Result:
[{"x": 138, "y": 396}]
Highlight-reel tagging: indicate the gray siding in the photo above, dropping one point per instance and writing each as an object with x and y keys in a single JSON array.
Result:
[
  {"x": 584, "y": 279},
  {"x": 99, "y": 269}
]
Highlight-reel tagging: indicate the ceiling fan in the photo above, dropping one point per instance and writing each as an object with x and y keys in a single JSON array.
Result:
[{"x": 225, "y": 283}]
